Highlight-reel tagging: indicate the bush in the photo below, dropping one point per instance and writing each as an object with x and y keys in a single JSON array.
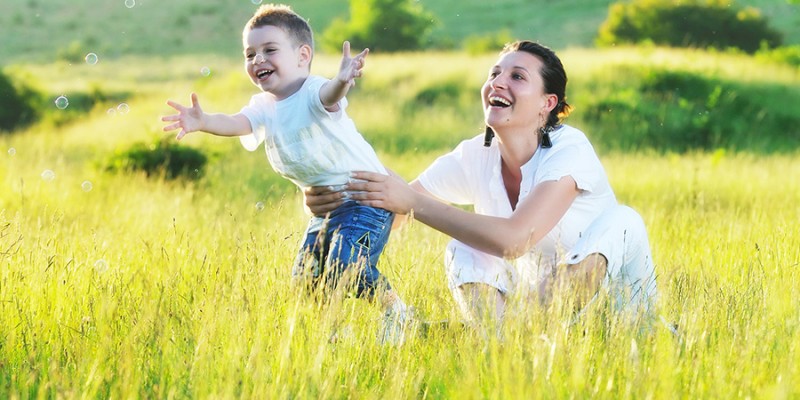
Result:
[
  {"x": 381, "y": 25},
  {"x": 163, "y": 157},
  {"x": 80, "y": 103},
  {"x": 689, "y": 23},
  {"x": 18, "y": 104},
  {"x": 684, "y": 111},
  {"x": 487, "y": 42},
  {"x": 450, "y": 93},
  {"x": 72, "y": 53},
  {"x": 784, "y": 54}
]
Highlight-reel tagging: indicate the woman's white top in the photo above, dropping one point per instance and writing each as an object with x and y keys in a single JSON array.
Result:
[{"x": 471, "y": 175}]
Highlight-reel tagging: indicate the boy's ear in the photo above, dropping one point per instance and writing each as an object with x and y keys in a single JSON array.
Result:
[{"x": 305, "y": 54}]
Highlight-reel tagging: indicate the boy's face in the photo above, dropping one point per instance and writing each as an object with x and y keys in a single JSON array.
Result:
[{"x": 272, "y": 61}]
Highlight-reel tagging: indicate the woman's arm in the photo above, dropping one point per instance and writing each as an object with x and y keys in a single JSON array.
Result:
[
  {"x": 320, "y": 200},
  {"x": 509, "y": 237}
]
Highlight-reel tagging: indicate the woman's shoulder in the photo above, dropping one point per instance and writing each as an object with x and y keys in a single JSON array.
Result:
[
  {"x": 567, "y": 136},
  {"x": 473, "y": 145},
  {"x": 472, "y": 149},
  {"x": 569, "y": 133}
]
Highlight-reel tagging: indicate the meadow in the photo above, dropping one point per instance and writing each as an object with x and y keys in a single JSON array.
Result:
[
  {"x": 124, "y": 285},
  {"x": 119, "y": 285}
]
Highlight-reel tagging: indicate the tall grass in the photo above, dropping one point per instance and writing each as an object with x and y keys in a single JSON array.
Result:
[{"x": 146, "y": 287}]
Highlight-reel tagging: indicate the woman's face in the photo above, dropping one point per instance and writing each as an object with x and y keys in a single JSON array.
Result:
[{"x": 513, "y": 95}]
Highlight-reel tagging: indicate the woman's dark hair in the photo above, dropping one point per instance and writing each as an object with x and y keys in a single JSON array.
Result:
[{"x": 553, "y": 75}]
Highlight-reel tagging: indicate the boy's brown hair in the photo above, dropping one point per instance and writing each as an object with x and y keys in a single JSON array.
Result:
[{"x": 283, "y": 17}]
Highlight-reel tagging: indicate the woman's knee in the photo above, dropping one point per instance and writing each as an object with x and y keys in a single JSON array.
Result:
[
  {"x": 479, "y": 301},
  {"x": 631, "y": 218}
]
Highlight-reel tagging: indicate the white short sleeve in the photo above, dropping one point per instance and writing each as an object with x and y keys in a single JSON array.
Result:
[
  {"x": 260, "y": 108},
  {"x": 313, "y": 87},
  {"x": 576, "y": 159},
  {"x": 447, "y": 177}
]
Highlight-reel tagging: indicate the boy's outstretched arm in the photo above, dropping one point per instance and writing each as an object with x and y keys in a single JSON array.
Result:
[
  {"x": 350, "y": 69},
  {"x": 193, "y": 119}
]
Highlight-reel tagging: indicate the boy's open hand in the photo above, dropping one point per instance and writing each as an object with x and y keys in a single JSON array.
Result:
[
  {"x": 188, "y": 119},
  {"x": 350, "y": 69}
]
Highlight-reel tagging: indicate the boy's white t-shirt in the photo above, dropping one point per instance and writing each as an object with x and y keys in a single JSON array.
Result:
[
  {"x": 471, "y": 174},
  {"x": 306, "y": 143}
]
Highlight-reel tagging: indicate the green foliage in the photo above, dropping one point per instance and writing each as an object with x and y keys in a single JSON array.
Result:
[
  {"x": 673, "y": 110},
  {"x": 74, "y": 52},
  {"x": 692, "y": 23},
  {"x": 81, "y": 102},
  {"x": 381, "y": 25},
  {"x": 438, "y": 94},
  {"x": 164, "y": 30},
  {"x": 487, "y": 42},
  {"x": 18, "y": 103},
  {"x": 449, "y": 93},
  {"x": 784, "y": 54},
  {"x": 162, "y": 157}
]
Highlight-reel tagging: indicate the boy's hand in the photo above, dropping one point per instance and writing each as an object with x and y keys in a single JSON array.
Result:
[
  {"x": 188, "y": 119},
  {"x": 351, "y": 66}
]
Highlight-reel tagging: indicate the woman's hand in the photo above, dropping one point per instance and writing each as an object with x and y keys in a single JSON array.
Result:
[
  {"x": 389, "y": 192},
  {"x": 320, "y": 200}
]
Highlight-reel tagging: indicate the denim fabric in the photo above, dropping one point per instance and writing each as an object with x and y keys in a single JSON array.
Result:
[{"x": 350, "y": 240}]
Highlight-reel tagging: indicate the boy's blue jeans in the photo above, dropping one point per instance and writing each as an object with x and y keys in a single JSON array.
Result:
[{"x": 348, "y": 242}]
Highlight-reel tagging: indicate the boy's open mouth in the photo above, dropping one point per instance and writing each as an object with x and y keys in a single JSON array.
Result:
[{"x": 264, "y": 73}]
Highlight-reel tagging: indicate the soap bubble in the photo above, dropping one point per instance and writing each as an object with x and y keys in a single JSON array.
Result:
[
  {"x": 256, "y": 1},
  {"x": 260, "y": 206},
  {"x": 112, "y": 111},
  {"x": 86, "y": 186},
  {"x": 130, "y": 3},
  {"x": 123, "y": 108},
  {"x": 48, "y": 175},
  {"x": 205, "y": 71},
  {"x": 91, "y": 59},
  {"x": 12, "y": 151},
  {"x": 100, "y": 266},
  {"x": 62, "y": 102}
]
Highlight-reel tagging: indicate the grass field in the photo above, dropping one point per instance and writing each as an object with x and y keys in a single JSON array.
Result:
[{"x": 124, "y": 286}]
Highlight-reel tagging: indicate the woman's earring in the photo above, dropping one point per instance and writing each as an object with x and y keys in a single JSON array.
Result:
[
  {"x": 487, "y": 138},
  {"x": 546, "y": 142}
]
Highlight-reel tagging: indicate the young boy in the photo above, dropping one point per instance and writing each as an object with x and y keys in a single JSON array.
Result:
[{"x": 310, "y": 140}]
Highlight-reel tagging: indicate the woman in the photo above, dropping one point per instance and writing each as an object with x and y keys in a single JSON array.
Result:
[{"x": 545, "y": 214}]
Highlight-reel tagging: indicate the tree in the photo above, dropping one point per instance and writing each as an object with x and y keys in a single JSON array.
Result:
[
  {"x": 383, "y": 25},
  {"x": 694, "y": 23}
]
